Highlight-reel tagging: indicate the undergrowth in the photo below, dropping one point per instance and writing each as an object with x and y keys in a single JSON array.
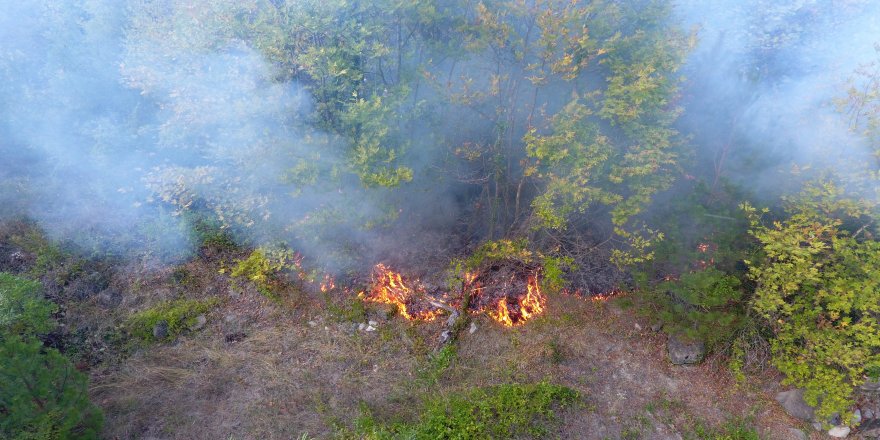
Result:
[
  {"x": 179, "y": 314},
  {"x": 504, "y": 411}
]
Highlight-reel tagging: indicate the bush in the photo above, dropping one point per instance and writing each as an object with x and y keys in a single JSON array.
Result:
[
  {"x": 263, "y": 268},
  {"x": 817, "y": 287},
  {"x": 43, "y": 397},
  {"x": 23, "y": 310},
  {"x": 505, "y": 411},
  {"x": 707, "y": 305},
  {"x": 179, "y": 314}
]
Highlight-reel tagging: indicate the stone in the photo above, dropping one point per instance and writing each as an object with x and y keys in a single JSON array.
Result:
[
  {"x": 160, "y": 330},
  {"x": 871, "y": 386},
  {"x": 372, "y": 323},
  {"x": 312, "y": 323},
  {"x": 857, "y": 417},
  {"x": 444, "y": 336},
  {"x": 868, "y": 414},
  {"x": 362, "y": 326},
  {"x": 839, "y": 431},
  {"x": 199, "y": 323},
  {"x": 817, "y": 426},
  {"x": 638, "y": 327},
  {"x": 656, "y": 327},
  {"x": 682, "y": 351},
  {"x": 473, "y": 328},
  {"x": 797, "y": 434},
  {"x": 793, "y": 403},
  {"x": 370, "y": 328}
]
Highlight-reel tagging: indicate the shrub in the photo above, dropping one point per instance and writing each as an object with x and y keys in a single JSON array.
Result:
[
  {"x": 179, "y": 314},
  {"x": 505, "y": 411},
  {"x": 707, "y": 305},
  {"x": 43, "y": 396},
  {"x": 262, "y": 268},
  {"x": 23, "y": 310},
  {"x": 818, "y": 288}
]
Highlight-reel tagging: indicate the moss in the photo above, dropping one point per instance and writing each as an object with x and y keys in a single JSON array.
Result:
[{"x": 179, "y": 314}]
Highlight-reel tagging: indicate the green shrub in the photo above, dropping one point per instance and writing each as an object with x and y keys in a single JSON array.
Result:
[
  {"x": 818, "y": 287},
  {"x": 42, "y": 396},
  {"x": 500, "y": 412},
  {"x": 179, "y": 314},
  {"x": 23, "y": 310},
  {"x": 707, "y": 305}
]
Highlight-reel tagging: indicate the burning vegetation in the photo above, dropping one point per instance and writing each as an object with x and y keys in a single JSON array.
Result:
[{"x": 510, "y": 294}]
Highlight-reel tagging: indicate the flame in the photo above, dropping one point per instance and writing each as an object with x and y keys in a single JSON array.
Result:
[
  {"x": 528, "y": 307},
  {"x": 413, "y": 303},
  {"x": 327, "y": 284},
  {"x": 390, "y": 288}
]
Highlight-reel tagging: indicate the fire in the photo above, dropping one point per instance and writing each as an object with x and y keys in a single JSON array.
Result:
[
  {"x": 528, "y": 307},
  {"x": 327, "y": 284},
  {"x": 390, "y": 288}
]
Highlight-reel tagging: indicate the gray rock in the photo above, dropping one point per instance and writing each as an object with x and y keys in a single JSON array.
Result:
[
  {"x": 868, "y": 414},
  {"x": 839, "y": 431},
  {"x": 373, "y": 323},
  {"x": 793, "y": 403},
  {"x": 682, "y": 351},
  {"x": 444, "y": 336},
  {"x": 871, "y": 386},
  {"x": 656, "y": 327},
  {"x": 362, "y": 326},
  {"x": 817, "y": 426},
  {"x": 638, "y": 327},
  {"x": 160, "y": 330},
  {"x": 370, "y": 328},
  {"x": 312, "y": 324},
  {"x": 473, "y": 328},
  {"x": 857, "y": 417},
  {"x": 199, "y": 323},
  {"x": 797, "y": 434}
]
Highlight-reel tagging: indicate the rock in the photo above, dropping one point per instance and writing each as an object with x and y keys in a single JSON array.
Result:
[
  {"x": 656, "y": 327},
  {"x": 868, "y": 414},
  {"x": 372, "y": 323},
  {"x": 638, "y": 327},
  {"x": 871, "y": 386},
  {"x": 362, "y": 326},
  {"x": 370, "y": 328},
  {"x": 473, "y": 328},
  {"x": 839, "y": 431},
  {"x": 160, "y": 330},
  {"x": 444, "y": 336},
  {"x": 793, "y": 403},
  {"x": 683, "y": 352},
  {"x": 199, "y": 323},
  {"x": 235, "y": 337},
  {"x": 312, "y": 323},
  {"x": 856, "y": 417},
  {"x": 817, "y": 426},
  {"x": 797, "y": 434}
]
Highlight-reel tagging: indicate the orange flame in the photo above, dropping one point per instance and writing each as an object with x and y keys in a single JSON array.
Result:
[
  {"x": 390, "y": 288},
  {"x": 528, "y": 307}
]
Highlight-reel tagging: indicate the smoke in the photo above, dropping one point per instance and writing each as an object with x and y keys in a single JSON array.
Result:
[{"x": 762, "y": 83}]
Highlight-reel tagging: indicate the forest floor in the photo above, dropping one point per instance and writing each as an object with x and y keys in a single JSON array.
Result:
[{"x": 300, "y": 366}]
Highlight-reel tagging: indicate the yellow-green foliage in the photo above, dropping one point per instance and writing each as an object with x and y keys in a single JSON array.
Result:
[
  {"x": 818, "y": 286},
  {"x": 500, "y": 412},
  {"x": 262, "y": 267},
  {"x": 179, "y": 314},
  {"x": 499, "y": 250}
]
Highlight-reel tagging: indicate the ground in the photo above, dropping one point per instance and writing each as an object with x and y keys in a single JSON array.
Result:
[{"x": 306, "y": 372}]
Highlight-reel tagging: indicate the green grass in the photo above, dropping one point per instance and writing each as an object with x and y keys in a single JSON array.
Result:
[
  {"x": 499, "y": 412},
  {"x": 179, "y": 314}
]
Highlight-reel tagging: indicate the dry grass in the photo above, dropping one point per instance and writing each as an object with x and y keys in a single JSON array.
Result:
[{"x": 288, "y": 378}]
